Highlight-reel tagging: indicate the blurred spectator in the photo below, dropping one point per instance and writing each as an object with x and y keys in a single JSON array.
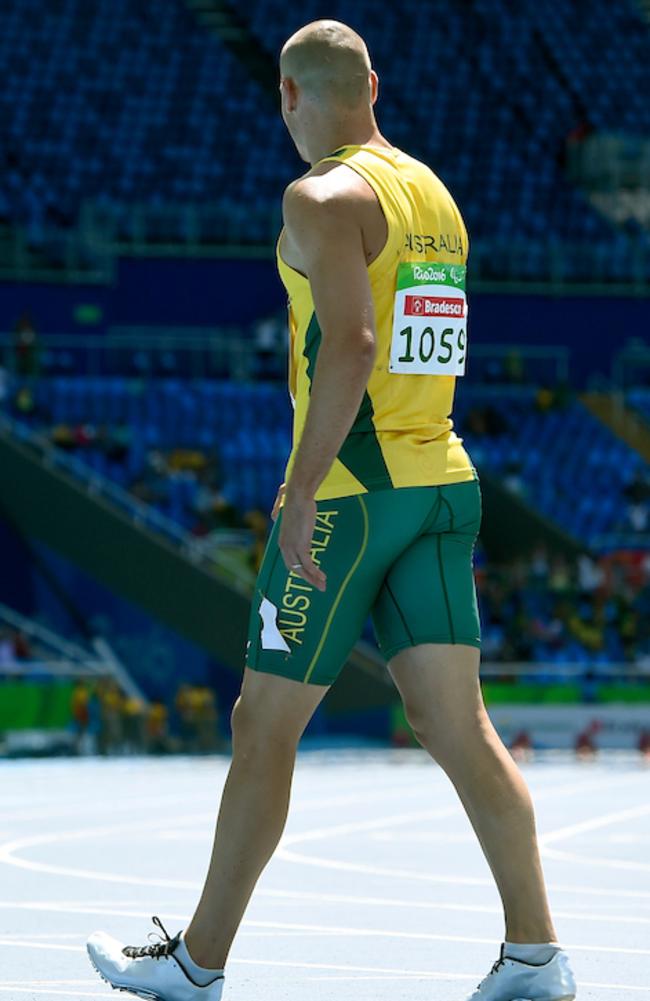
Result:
[
  {"x": 486, "y": 421},
  {"x": 207, "y": 718},
  {"x": 513, "y": 479},
  {"x": 514, "y": 367},
  {"x": 25, "y": 347},
  {"x": 212, "y": 508},
  {"x": 539, "y": 565},
  {"x": 116, "y": 441},
  {"x": 156, "y": 729},
  {"x": 551, "y": 398},
  {"x": 22, "y": 648},
  {"x": 258, "y": 522},
  {"x": 24, "y": 403},
  {"x": 270, "y": 340},
  {"x": 81, "y": 713},
  {"x": 638, "y": 517},
  {"x": 6, "y": 648},
  {"x": 133, "y": 726},
  {"x": 591, "y": 576},
  {"x": 198, "y": 718},
  {"x": 564, "y": 609},
  {"x": 637, "y": 493},
  {"x": 111, "y": 734},
  {"x": 4, "y": 385}
]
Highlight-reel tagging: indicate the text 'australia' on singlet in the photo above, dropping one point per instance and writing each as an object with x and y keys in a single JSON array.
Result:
[{"x": 402, "y": 435}]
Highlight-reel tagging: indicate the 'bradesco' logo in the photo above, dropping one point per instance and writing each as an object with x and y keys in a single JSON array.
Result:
[{"x": 430, "y": 305}]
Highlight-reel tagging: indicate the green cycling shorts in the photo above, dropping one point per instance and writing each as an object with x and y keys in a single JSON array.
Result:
[{"x": 404, "y": 556}]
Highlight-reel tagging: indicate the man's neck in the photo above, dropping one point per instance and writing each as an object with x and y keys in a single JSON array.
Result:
[{"x": 355, "y": 135}]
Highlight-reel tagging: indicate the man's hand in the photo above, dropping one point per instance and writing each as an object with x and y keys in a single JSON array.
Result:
[{"x": 298, "y": 521}]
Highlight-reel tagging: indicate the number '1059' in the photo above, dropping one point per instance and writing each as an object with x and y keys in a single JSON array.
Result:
[{"x": 426, "y": 344}]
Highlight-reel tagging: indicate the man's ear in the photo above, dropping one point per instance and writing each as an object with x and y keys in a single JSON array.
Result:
[
  {"x": 374, "y": 87},
  {"x": 289, "y": 91}
]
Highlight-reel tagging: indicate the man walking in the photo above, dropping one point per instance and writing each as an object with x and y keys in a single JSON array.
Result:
[{"x": 379, "y": 515}]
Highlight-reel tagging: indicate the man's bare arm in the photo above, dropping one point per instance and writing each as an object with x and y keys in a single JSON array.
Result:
[{"x": 329, "y": 242}]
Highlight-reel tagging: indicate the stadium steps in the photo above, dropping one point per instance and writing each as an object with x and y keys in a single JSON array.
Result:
[
  {"x": 108, "y": 544},
  {"x": 512, "y": 527},
  {"x": 225, "y": 21},
  {"x": 620, "y": 419},
  {"x": 47, "y": 503}
]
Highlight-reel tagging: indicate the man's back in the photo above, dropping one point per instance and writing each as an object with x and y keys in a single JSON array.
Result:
[{"x": 402, "y": 435}]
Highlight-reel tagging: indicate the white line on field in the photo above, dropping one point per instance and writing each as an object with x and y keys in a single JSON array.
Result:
[
  {"x": 114, "y": 910},
  {"x": 354, "y": 932}
]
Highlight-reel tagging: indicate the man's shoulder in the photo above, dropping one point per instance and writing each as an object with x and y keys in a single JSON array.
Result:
[{"x": 328, "y": 187}]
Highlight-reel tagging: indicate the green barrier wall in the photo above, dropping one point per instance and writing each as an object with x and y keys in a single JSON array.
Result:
[
  {"x": 624, "y": 693},
  {"x": 529, "y": 694},
  {"x": 27, "y": 705}
]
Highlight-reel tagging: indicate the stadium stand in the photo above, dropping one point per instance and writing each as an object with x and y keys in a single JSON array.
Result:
[
  {"x": 119, "y": 105},
  {"x": 175, "y": 441}
]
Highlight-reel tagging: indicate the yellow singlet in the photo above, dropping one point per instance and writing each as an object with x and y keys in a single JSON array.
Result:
[{"x": 402, "y": 435}]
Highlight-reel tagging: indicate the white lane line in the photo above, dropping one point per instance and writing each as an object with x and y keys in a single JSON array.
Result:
[
  {"x": 74, "y": 807},
  {"x": 570, "y": 788},
  {"x": 56, "y": 991},
  {"x": 37, "y": 936},
  {"x": 321, "y": 862},
  {"x": 110, "y": 910},
  {"x": 8, "y": 851},
  {"x": 598, "y": 861},
  {"x": 595, "y": 823},
  {"x": 361, "y": 826},
  {"x": 54, "y": 946},
  {"x": 129, "y": 805},
  {"x": 353, "y": 932},
  {"x": 434, "y": 905},
  {"x": 90, "y": 982}
]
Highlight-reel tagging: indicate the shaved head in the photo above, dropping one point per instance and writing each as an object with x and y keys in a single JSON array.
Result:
[{"x": 330, "y": 63}]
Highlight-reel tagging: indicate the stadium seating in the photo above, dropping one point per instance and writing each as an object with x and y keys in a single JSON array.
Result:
[
  {"x": 122, "y": 103},
  {"x": 546, "y": 452},
  {"x": 639, "y": 400},
  {"x": 246, "y": 426},
  {"x": 562, "y": 460}
]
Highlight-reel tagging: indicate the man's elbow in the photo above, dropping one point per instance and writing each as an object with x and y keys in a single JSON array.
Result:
[{"x": 365, "y": 348}]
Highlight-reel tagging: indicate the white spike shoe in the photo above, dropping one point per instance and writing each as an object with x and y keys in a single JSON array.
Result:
[
  {"x": 151, "y": 972},
  {"x": 514, "y": 980}
]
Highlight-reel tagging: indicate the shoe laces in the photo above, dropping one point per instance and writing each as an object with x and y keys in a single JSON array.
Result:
[
  {"x": 161, "y": 949},
  {"x": 496, "y": 966},
  {"x": 499, "y": 963}
]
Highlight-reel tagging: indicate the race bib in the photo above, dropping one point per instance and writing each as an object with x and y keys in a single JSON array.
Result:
[{"x": 429, "y": 320}]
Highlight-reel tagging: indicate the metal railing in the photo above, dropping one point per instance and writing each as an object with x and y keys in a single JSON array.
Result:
[
  {"x": 210, "y": 552},
  {"x": 192, "y": 352},
  {"x": 631, "y": 366},
  {"x": 106, "y": 229},
  {"x": 233, "y": 352},
  {"x": 610, "y": 162}
]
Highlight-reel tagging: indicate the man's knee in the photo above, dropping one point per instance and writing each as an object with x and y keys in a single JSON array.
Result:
[
  {"x": 445, "y": 731},
  {"x": 258, "y": 731}
]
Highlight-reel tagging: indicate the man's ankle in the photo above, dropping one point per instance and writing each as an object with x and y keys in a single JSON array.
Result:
[{"x": 202, "y": 951}]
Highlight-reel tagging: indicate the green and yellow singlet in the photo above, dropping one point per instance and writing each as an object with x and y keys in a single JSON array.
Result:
[{"x": 402, "y": 435}]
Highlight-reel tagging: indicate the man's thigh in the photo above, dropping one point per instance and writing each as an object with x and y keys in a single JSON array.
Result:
[{"x": 429, "y": 595}]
